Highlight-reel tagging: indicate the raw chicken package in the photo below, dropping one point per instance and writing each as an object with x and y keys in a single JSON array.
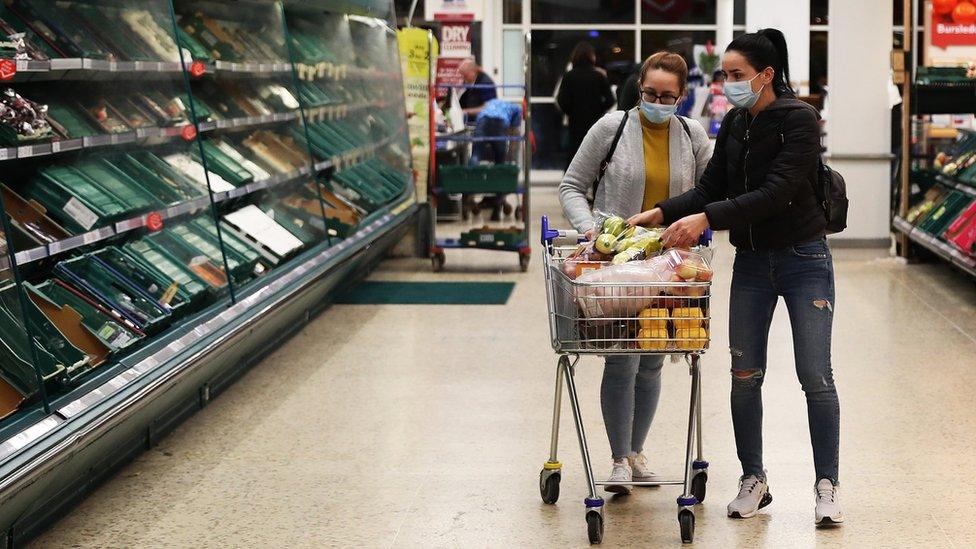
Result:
[{"x": 621, "y": 291}]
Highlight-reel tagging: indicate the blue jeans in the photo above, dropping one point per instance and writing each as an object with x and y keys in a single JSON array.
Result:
[
  {"x": 628, "y": 396},
  {"x": 804, "y": 276},
  {"x": 493, "y": 151}
]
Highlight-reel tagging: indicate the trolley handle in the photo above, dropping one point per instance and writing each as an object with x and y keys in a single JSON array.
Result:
[{"x": 548, "y": 235}]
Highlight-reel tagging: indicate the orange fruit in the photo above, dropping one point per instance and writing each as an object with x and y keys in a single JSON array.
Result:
[{"x": 964, "y": 13}]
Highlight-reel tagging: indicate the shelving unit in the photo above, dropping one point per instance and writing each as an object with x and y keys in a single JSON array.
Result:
[
  {"x": 931, "y": 91},
  {"x": 213, "y": 169}
]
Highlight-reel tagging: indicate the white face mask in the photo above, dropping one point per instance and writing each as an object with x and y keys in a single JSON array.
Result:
[
  {"x": 740, "y": 94},
  {"x": 656, "y": 112}
]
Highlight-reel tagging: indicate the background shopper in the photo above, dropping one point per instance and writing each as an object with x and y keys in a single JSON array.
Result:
[
  {"x": 760, "y": 186},
  {"x": 497, "y": 119},
  {"x": 628, "y": 93},
  {"x": 584, "y": 95},
  {"x": 473, "y": 99},
  {"x": 655, "y": 158}
]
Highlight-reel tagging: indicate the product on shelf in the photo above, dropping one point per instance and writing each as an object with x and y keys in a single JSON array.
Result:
[
  {"x": 114, "y": 331},
  {"x": 31, "y": 225},
  {"x": 19, "y": 44},
  {"x": 193, "y": 169},
  {"x": 945, "y": 212},
  {"x": 962, "y": 232},
  {"x": 109, "y": 287},
  {"x": 260, "y": 228},
  {"x": 193, "y": 259},
  {"x": 98, "y": 31},
  {"x": 21, "y": 119}
]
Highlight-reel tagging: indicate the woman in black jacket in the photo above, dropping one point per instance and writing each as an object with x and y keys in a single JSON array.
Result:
[
  {"x": 760, "y": 186},
  {"x": 584, "y": 95}
]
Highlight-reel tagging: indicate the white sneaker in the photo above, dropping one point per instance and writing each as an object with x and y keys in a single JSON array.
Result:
[
  {"x": 641, "y": 472},
  {"x": 621, "y": 473},
  {"x": 753, "y": 496},
  {"x": 828, "y": 503}
]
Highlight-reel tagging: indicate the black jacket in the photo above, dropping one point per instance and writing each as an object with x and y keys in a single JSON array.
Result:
[
  {"x": 760, "y": 181},
  {"x": 584, "y": 96}
]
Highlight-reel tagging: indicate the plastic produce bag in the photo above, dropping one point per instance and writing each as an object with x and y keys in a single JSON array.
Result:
[{"x": 621, "y": 291}]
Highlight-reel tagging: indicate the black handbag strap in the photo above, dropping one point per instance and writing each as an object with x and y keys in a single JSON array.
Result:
[
  {"x": 687, "y": 129},
  {"x": 613, "y": 147}
]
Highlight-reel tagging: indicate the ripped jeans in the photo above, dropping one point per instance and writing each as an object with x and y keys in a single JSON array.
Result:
[{"x": 804, "y": 276}]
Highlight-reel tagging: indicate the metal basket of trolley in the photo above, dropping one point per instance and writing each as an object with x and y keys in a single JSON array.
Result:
[{"x": 652, "y": 314}]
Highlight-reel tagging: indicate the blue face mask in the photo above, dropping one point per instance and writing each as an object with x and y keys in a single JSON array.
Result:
[
  {"x": 656, "y": 112},
  {"x": 740, "y": 94}
]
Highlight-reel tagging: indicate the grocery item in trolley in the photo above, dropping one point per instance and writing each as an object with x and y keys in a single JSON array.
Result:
[
  {"x": 612, "y": 291},
  {"x": 621, "y": 291}
]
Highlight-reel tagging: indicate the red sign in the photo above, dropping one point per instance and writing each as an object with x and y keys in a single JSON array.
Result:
[
  {"x": 197, "y": 69},
  {"x": 154, "y": 222},
  {"x": 8, "y": 68},
  {"x": 954, "y": 24},
  {"x": 189, "y": 132},
  {"x": 447, "y": 73}
]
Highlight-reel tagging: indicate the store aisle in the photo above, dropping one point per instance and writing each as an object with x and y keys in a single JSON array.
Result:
[{"x": 415, "y": 426}]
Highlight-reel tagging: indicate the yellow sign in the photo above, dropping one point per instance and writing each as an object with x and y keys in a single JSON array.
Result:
[{"x": 417, "y": 57}]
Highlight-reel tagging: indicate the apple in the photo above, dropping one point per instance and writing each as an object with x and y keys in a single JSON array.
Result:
[
  {"x": 704, "y": 275},
  {"x": 686, "y": 270},
  {"x": 604, "y": 243},
  {"x": 614, "y": 225}
]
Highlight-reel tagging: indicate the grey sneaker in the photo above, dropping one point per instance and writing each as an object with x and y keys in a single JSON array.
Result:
[
  {"x": 621, "y": 473},
  {"x": 641, "y": 472},
  {"x": 828, "y": 503},
  {"x": 753, "y": 496}
]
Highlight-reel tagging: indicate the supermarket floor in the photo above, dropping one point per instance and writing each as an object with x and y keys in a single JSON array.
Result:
[{"x": 416, "y": 426}]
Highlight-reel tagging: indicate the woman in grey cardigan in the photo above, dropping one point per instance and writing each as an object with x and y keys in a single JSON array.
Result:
[{"x": 659, "y": 155}]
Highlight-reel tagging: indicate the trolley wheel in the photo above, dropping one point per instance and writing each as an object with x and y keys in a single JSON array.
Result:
[
  {"x": 524, "y": 261},
  {"x": 437, "y": 261},
  {"x": 549, "y": 486},
  {"x": 698, "y": 483},
  {"x": 687, "y": 521},
  {"x": 594, "y": 527}
]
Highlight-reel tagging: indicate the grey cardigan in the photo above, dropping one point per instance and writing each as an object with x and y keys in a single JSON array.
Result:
[{"x": 622, "y": 190}]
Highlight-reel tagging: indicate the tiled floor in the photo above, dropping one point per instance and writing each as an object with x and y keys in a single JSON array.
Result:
[{"x": 427, "y": 426}]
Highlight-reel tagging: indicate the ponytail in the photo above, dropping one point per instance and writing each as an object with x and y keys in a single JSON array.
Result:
[{"x": 767, "y": 48}]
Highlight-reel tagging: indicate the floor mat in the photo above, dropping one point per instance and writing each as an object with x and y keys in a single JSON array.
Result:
[{"x": 428, "y": 293}]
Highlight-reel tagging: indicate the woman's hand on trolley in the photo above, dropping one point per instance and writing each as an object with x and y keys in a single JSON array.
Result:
[
  {"x": 650, "y": 218},
  {"x": 685, "y": 232}
]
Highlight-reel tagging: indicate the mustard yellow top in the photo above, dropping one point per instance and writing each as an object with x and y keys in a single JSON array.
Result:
[{"x": 657, "y": 168}]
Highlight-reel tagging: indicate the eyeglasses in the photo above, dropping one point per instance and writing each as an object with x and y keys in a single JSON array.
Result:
[{"x": 666, "y": 99}]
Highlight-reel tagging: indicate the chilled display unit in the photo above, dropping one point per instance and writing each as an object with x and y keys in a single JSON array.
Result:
[{"x": 184, "y": 184}]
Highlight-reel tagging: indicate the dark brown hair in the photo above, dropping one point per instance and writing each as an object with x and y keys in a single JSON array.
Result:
[
  {"x": 583, "y": 54},
  {"x": 668, "y": 62}
]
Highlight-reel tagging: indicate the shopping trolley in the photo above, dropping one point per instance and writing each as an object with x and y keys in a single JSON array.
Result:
[{"x": 677, "y": 325}]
